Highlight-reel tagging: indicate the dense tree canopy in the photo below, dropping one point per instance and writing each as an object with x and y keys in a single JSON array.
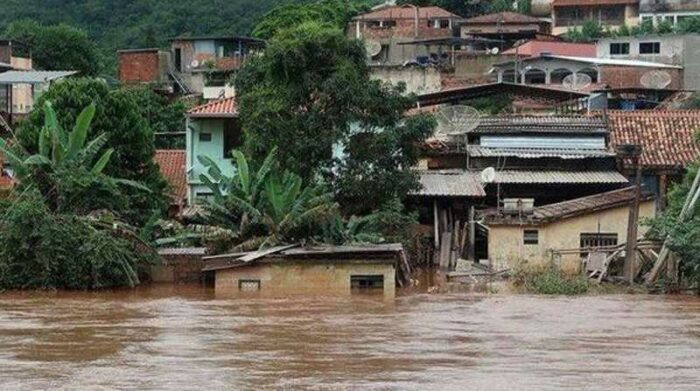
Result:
[
  {"x": 118, "y": 115},
  {"x": 310, "y": 96},
  {"x": 55, "y": 48}
]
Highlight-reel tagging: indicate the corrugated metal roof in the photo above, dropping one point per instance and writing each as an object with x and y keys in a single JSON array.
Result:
[
  {"x": 614, "y": 61},
  {"x": 570, "y": 208},
  {"x": 535, "y": 153},
  {"x": 324, "y": 250},
  {"x": 449, "y": 184},
  {"x": 33, "y": 77},
  {"x": 506, "y": 124},
  {"x": 543, "y": 141},
  {"x": 183, "y": 251},
  {"x": 558, "y": 177}
]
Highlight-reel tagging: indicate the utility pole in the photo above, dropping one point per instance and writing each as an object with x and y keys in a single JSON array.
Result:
[{"x": 632, "y": 152}]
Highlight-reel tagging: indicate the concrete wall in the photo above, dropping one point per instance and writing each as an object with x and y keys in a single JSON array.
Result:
[
  {"x": 5, "y": 51},
  {"x": 507, "y": 250},
  {"x": 22, "y": 94},
  {"x": 418, "y": 80},
  {"x": 214, "y": 149},
  {"x": 178, "y": 269},
  {"x": 303, "y": 278},
  {"x": 675, "y": 50}
]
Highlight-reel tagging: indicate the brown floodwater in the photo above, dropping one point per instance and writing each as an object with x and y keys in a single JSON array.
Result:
[{"x": 184, "y": 338}]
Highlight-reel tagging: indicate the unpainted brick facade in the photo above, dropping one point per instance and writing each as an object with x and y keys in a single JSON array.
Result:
[
  {"x": 630, "y": 77},
  {"x": 403, "y": 28},
  {"x": 139, "y": 67}
]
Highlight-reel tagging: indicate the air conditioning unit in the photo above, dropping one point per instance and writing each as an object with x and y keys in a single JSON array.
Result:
[{"x": 518, "y": 206}]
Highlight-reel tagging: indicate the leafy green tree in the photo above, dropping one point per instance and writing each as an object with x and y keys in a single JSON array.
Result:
[
  {"x": 689, "y": 25},
  {"x": 164, "y": 117},
  {"x": 59, "y": 227},
  {"x": 501, "y": 6},
  {"x": 683, "y": 238},
  {"x": 311, "y": 94},
  {"x": 60, "y": 47},
  {"x": 664, "y": 27},
  {"x": 118, "y": 116},
  {"x": 524, "y": 6},
  {"x": 333, "y": 12},
  {"x": 590, "y": 31}
]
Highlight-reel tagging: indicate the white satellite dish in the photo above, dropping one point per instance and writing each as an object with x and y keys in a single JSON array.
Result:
[
  {"x": 373, "y": 48},
  {"x": 457, "y": 120},
  {"x": 577, "y": 81},
  {"x": 495, "y": 51},
  {"x": 488, "y": 175},
  {"x": 194, "y": 64},
  {"x": 656, "y": 79}
]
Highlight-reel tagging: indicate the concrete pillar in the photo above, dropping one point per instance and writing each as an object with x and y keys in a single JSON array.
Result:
[
  {"x": 547, "y": 77},
  {"x": 500, "y": 76}
]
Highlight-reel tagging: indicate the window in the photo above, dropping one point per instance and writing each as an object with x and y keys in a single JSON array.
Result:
[
  {"x": 248, "y": 285},
  {"x": 649, "y": 48},
  {"x": 439, "y": 23},
  {"x": 367, "y": 283},
  {"x": 619, "y": 49},
  {"x": 378, "y": 24},
  {"x": 531, "y": 237},
  {"x": 205, "y": 137},
  {"x": 589, "y": 240}
]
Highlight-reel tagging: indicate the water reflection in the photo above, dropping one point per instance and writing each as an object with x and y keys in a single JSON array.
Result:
[{"x": 184, "y": 338}]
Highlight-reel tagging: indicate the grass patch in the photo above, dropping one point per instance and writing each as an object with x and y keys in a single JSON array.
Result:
[{"x": 548, "y": 280}]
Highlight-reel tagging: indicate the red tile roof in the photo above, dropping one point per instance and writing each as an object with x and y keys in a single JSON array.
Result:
[
  {"x": 407, "y": 12},
  {"x": 535, "y": 48},
  {"x": 559, "y": 3},
  {"x": 222, "y": 108},
  {"x": 667, "y": 136},
  {"x": 173, "y": 166},
  {"x": 502, "y": 17}
]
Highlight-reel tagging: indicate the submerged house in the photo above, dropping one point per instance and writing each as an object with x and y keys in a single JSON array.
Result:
[
  {"x": 213, "y": 130},
  {"x": 532, "y": 236},
  {"x": 321, "y": 270}
]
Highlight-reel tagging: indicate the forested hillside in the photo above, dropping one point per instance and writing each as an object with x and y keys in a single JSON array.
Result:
[{"x": 114, "y": 24}]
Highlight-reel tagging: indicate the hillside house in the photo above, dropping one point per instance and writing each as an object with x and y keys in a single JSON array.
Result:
[
  {"x": 567, "y": 14},
  {"x": 674, "y": 11},
  {"x": 594, "y": 221},
  {"x": 213, "y": 130},
  {"x": 191, "y": 65},
  {"x": 672, "y": 49},
  {"x": 391, "y": 28},
  {"x": 173, "y": 167},
  {"x": 669, "y": 142},
  {"x": 506, "y": 27}
]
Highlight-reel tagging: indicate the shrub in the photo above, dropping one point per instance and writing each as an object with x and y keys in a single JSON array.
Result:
[{"x": 549, "y": 280}]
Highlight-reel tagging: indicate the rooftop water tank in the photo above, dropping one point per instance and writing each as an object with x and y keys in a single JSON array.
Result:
[{"x": 541, "y": 8}]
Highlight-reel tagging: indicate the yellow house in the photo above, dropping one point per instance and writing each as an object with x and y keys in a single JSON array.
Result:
[
  {"x": 593, "y": 221},
  {"x": 320, "y": 270}
]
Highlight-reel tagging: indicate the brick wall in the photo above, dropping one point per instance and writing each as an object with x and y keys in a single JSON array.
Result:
[
  {"x": 139, "y": 67},
  {"x": 179, "y": 269},
  {"x": 629, "y": 77}
]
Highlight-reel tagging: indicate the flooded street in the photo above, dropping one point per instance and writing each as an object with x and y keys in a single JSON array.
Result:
[{"x": 186, "y": 339}]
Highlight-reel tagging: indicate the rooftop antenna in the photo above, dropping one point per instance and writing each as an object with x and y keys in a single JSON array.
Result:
[
  {"x": 577, "y": 81},
  {"x": 457, "y": 120},
  {"x": 373, "y": 48},
  {"x": 656, "y": 80}
]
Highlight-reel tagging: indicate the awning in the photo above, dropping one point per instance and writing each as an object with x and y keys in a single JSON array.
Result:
[
  {"x": 559, "y": 177},
  {"x": 537, "y": 153},
  {"x": 449, "y": 184},
  {"x": 32, "y": 77}
]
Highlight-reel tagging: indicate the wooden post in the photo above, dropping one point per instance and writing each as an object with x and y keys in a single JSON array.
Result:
[
  {"x": 632, "y": 226},
  {"x": 663, "y": 185},
  {"x": 472, "y": 235}
]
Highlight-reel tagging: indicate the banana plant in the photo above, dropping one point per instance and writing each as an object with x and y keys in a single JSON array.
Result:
[{"x": 58, "y": 147}]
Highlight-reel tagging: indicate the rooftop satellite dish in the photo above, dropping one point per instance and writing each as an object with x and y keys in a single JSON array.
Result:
[
  {"x": 373, "y": 48},
  {"x": 194, "y": 64},
  {"x": 457, "y": 120},
  {"x": 576, "y": 81},
  {"x": 494, "y": 51},
  {"x": 656, "y": 79},
  {"x": 488, "y": 175}
]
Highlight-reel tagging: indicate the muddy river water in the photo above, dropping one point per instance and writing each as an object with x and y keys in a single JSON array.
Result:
[{"x": 184, "y": 338}]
